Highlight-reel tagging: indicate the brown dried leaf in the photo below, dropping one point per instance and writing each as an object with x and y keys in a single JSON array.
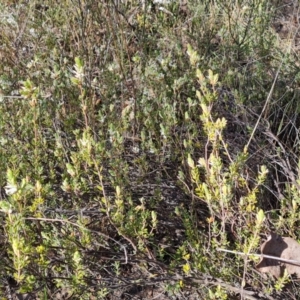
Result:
[{"x": 283, "y": 247}]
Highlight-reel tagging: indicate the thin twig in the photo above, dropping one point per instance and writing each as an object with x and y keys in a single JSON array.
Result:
[
  {"x": 288, "y": 261},
  {"x": 265, "y": 106}
]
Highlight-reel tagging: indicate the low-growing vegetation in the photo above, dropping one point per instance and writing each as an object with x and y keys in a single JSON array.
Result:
[{"x": 141, "y": 139}]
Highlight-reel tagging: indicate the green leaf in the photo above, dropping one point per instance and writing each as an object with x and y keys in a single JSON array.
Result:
[
  {"x": 194, "y": 57},
  {"x": 70, "y": 169},
  {"x": 190, "y": 162},
  {"x": 186, "y": 268},
  {"x": 260, "y": 217},
  {"x": 118, "y": 191},
  {"x": 5, "y": 207},
  {"x": 77, "y": 258},
  {"x": 79, "y": 62}
]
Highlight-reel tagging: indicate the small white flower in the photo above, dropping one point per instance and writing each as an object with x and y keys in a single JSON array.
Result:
[
  {"x": 32, "y": 32},
  {"x": 10, "y": 189},
  {"x": 136, "y": 150}
]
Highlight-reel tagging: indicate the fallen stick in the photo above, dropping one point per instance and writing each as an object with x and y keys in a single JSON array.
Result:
[{"x": 288, "y": 261}]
